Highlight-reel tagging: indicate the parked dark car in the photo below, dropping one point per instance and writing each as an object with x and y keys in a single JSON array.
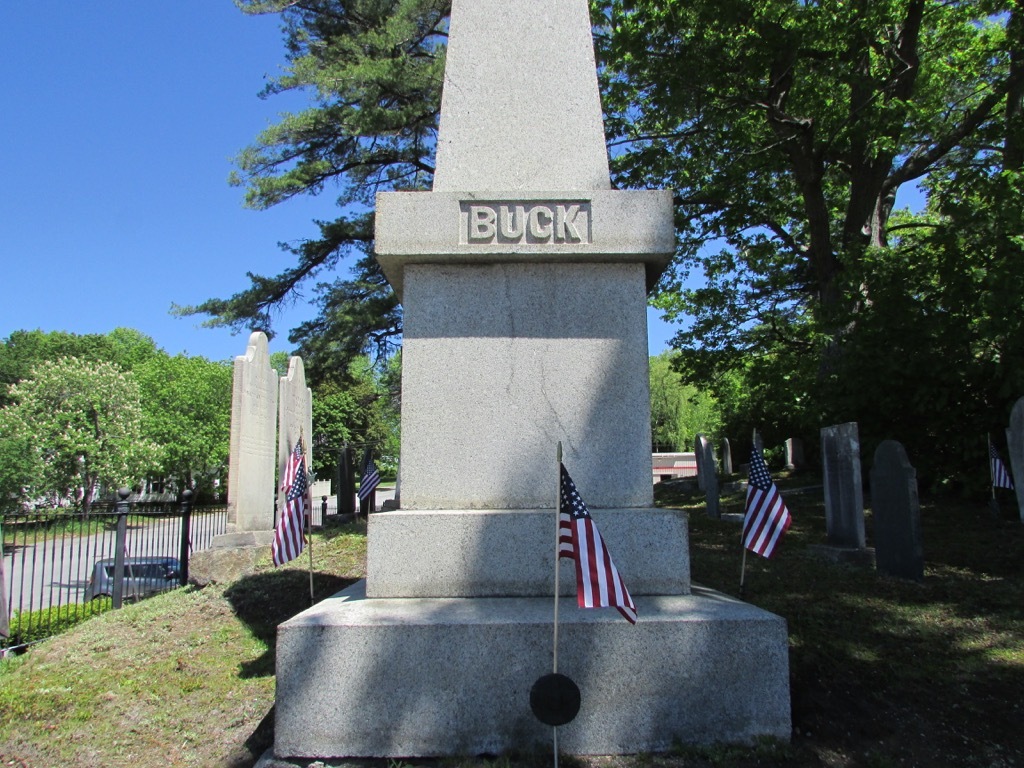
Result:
[{"x": 143, "y": 576}]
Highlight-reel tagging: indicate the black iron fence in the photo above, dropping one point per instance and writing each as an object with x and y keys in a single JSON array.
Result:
[{"x": 59, "y": 564}]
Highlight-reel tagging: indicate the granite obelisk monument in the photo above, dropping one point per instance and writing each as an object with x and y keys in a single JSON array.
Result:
[{"x": 523, "y": 280}]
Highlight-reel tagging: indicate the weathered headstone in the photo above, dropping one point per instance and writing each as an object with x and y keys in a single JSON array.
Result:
[
  {"x": 1015, "y": 445},
  {"x": 523, "y": 281},
  {"x": 726, "y": 457},
  {"x": 844, "y": 493},
  {"x": 295, "y": 415},
  {"x": 707, "y": 470},
  {"x": 252, "y": 441},
  {"x": 758, "y": 442},
  {"x": 794, "y": 453},
  {"x": 698, "y": 453},
  {"x": 899, "y": 549}
]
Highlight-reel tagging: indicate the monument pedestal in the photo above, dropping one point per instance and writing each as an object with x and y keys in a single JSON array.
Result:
[
  {"x": 510, "y": 552},
  {"x": 364, "y": 677},
  {"x": 523, "y": 278}
]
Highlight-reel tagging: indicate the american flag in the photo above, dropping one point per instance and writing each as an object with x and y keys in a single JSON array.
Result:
[
  {"x": 1000, "y": 476},
  {"x": 369, "y": 480},
  {"x": 766, "y": 518},
  {"x": 597, "y": 580},
  {"x": 288, "y": 538}
]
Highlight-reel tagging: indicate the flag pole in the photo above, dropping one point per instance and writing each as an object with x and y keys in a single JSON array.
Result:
[
  {"x": 993, "y": 504},
  {"x": 991, "y": 473},
  {"x": 558, "y": 527},
  {"x": 558, "y": 524},
  {"x": 308, "y": 525},
  {"x": 743, "y": 565}
]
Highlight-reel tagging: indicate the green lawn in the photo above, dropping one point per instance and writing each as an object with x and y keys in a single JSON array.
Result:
[{"x": 883, "y": 672}]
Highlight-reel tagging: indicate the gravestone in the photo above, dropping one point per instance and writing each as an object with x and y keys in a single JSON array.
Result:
[
  {"x": 758, "y": 442},
  {"x": 252, "y": 441},
  {"x": 899, "y": 549},
  {"x": 295, "y": 415},
  {"x": 794, "y": 453},
  {"x": 1015, "y": 445},
  {"x": 698, "y": 454},
  {"x": 707, "y": 469},
  {"x": 523, "y": 281},
  {"x": 844, "y": 494},
  {"x": 726, "y": 457}
]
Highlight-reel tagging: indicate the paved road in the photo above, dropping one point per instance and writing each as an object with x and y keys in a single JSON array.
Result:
[{"x": 43, "y": 572}]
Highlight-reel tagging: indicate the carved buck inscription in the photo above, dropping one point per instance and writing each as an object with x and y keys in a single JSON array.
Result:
[{"x": 533, "y": 222}]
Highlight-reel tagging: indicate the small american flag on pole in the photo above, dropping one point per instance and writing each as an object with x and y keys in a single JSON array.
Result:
[
  {"x": 288, "y": 537},
  {"x": 597, "y": 580},
  {"x": 370, "y": 478},
  {"x": 766, "y": 518},
  {"x": 1000, "y": 476}
]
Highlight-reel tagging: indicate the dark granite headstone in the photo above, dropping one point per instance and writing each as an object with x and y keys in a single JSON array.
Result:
[
  {"x": 899, "y": 549},
  {"x": 1015, "y": 444},
  {"x": 844, "y": 494},
  {"x": 726, "y": 457},
  {"x": 707, "y": 471}
]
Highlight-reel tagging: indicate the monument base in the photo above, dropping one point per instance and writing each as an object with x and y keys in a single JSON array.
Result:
[
  {"x": 234, "y": 539},
  {"x": 863, "y": 557},
  {"x": 363, "y": 677},
  {"x": 467, "y": 553},
  {"x": 229, "y": 557}
]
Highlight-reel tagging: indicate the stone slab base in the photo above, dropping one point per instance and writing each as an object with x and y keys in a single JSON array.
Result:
[
  {"x": 233, "y": 539},
  {"x": 863, "y": 557},
  {"x": 510, "y": 553},
  {"x": 360, "y": 677},
  {"x": 223, "y": 565}
]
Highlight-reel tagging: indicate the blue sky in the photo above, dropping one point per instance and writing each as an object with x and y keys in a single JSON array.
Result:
[{"x": 119, "y": 124}]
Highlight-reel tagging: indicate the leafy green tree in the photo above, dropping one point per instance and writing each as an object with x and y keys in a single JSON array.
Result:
[
  {"x": 363, "y": 410},
  {"x": 678, "y": 411},
  {"x": 786, "y": 130},
  {"x": 186, "y": 411},
  {"x": 82, "y": 421},
  {"x": 19, "y": 463},
  {"x": 23, "y": 350}
]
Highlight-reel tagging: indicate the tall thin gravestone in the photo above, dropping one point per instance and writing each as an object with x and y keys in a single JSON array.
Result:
[
  {"x": 707, "y": 469},
  {"x": 899, "y": 549},
  {"x": 726, "y": 457},
  {"x": 295, "y": 415},
  {"x": 1015, "y": 445},
  {"x": 844, "y": 493},
  {"x": 702, "y": 470},
  {"x": 252, "y": 440},
  {"x": 794, "y": 453},
  {"x": 523, "y": 281}
]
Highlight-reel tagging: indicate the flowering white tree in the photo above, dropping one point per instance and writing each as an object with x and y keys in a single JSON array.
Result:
[{"x": 81, "y": 426}]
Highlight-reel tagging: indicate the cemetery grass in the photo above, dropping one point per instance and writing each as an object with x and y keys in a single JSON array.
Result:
[{"x": 883, "y": 672}]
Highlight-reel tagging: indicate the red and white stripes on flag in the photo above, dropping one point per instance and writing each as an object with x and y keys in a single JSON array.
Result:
[
  {"x": 766, "y": 518},
  {"x": 1000, "y": 476},
  {"x": 598, "y": 584},
  {"x": 288, "y": 536}
]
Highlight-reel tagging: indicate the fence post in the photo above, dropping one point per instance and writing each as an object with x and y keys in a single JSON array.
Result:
[
  {"x": 186, "y": 536},
  {"x": 119, "y": 543}
]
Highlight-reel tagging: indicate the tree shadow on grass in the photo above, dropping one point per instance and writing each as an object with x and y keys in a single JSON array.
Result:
[{"x": 264, "y": 600}]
